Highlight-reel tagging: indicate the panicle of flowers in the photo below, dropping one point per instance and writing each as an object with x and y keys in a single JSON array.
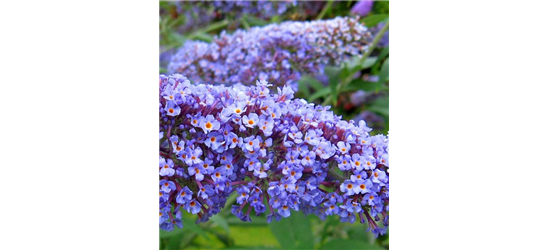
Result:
[
  {"x": 280, "y": 155},
  {"x": 278, "y": 53}
]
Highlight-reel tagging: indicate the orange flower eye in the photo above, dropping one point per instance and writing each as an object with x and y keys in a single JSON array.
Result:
[{"x": 209, "y": 125}]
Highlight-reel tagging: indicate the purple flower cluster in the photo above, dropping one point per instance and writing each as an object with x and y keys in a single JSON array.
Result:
[
  {"x": 275, "y": 53},
  {"x": 261, "y": 9},
  {"x": 280, "y": 155}
]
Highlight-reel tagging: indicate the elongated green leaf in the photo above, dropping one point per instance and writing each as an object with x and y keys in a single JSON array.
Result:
[
  {"x": 293, "y": 232},
  {"x": 322, "y": 93},
  {"x": 373, "y": 20},
  {"x": 254, "y": 21},
  {"x": 355, "y": 63},
  {"x": 350, "y": 244},
  {"x": 384, "y": 73},
  {"x": 313, "y": 82}
]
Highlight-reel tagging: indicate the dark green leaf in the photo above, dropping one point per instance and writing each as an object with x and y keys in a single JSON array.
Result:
[
  {"x": 293, "y": 232},
  {"x": 372, "y": 20},
  {"x": 350, "y": 244},
  {"x": 384, "y": 73},
  {"x": 359, "y": 84},
  {"x": 321, "y": 93}
]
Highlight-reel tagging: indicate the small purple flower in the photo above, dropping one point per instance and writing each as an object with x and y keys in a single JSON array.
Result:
[
  {"x": 197, "y": 171},
  {"x": 209, "y": 123},
  {"x": 205, "y": 192},
  {"x": 344, "y": 162},
  {"x": 343, "y": 147},
  {"x": 357, "y": 162},
  {"x": 243, "y": 194},
  {"x": 172, "y": 109},
  {"x": 166, "y": 167},
  {"x": 362, "y": 8},
  {"x": 193, "y": 207},
  {"x": 251, "y": 143},
  {"x": 251, "y": 120},
  {"x": 372, "y": 199},
  {"x": 348, "y": 188},
  {"x": 184, "y": 196},
  {"x": 214, "y": 140},
  {"x": 167, "y": 186},
  {"x": 284, "y": 211}
]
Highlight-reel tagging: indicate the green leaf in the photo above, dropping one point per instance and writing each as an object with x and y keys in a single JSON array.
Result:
[
  {"x": 384, "y": 53},
  {"x": 334, "y": 76},
  {"x": 168, "y": 234},
  {"x": 381, "y": 106},
  {"x": 303, "y": 87},
  {"x": 254, "y": 21},
  {"x": 293, "y": 232},
  {"x": 355, "y": 65},
  {"x": 321, "y": 93},
  {"x": 190, "y": 225},
  {"x": 359, "y": 84},
  {"x": 220, "y": 221},
  {"x": 313, "y": 82},
  {"x": 384, "y": 73},
  {"x": 373, "y": 20},
  {"x": 350, "y": 244}
]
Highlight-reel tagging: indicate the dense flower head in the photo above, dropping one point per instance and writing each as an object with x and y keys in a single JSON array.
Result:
[
  {"x": 278, "y": 53},
  {"x": 306, "y": 159}
]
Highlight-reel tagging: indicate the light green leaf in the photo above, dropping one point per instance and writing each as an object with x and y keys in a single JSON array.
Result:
[
  {"x": 313, "y": 82},
  {"x": 254, "y": 21},
  {"x": 355, "y": 65},
  {"x": 373, "y": 20},
  {"x": 322, "y": 93},
  {"x": 350, "y": 244},
  {"x": 220, "y": 221},
  {"x": 190, "y": 225},
  {"x": 293, "y": 232}
]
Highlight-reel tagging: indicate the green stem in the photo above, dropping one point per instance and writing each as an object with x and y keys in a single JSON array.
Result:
[
  {"x": 327, "y": 7},
  {"x": 376, "y": 40}
]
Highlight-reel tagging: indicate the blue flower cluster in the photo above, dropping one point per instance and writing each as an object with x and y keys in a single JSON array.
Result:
[
  {"x": 278, "y": 53},
  {"x": 280, "y": 155}
]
